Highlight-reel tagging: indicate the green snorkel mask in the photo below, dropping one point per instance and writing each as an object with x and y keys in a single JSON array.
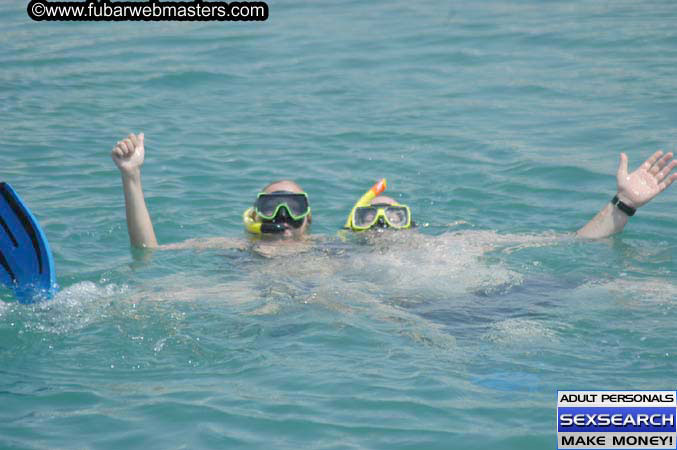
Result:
[{"x": 272, "y": 210}]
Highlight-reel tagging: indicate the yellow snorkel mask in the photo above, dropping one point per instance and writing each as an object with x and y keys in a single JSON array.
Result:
[{"x": 365, "y": 215}]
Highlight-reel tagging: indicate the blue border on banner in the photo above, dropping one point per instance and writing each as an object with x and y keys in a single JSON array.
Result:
[
  {"x": 623, "y": 411},
  {"x": 610, "y": 407}
]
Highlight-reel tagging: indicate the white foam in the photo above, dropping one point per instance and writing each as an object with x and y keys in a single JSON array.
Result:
[
  {"x": 85, "y": 291},
  {"x": 452, "y": 263},
  {"x": 635, "y": 292},
  {"x": 514, "y": 330},
  {"x": 72, "y": 308}
]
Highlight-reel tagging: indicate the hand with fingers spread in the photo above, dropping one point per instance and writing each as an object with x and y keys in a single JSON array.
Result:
[
  {"x": 649, "y": 180},
  {"x": 128, "y": 154},
  {"x": 634, "y": 190}
]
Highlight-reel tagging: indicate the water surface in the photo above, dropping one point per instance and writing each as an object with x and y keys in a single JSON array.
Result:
[{"x": 499, "y": 123}]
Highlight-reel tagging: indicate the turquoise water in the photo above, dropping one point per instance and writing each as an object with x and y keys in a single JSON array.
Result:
[{"x": 499, "y": 123}]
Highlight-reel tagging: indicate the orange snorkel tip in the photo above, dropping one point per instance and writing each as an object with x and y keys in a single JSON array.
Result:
[{"x": 379, "y": 187}]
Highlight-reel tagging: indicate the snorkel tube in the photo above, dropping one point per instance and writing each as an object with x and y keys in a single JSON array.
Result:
[
  {"x": 365, "y": 200},
  {"x": 258, "y": 227}
]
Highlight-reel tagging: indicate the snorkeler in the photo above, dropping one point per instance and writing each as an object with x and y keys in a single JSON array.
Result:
[
  {"x": 376, "y": 211},
  {"x": 281, "y": 209}
]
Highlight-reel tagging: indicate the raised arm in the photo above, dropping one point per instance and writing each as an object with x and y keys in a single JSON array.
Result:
[
  {"x": 128, "y": 155},
  {"x": 634, "y": 190}
]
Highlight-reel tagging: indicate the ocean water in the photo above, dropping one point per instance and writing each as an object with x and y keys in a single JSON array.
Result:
[{"x": 498, "y": 122}]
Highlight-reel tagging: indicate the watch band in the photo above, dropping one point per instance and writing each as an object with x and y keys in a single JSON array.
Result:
[{"x": 629, "y": 210}]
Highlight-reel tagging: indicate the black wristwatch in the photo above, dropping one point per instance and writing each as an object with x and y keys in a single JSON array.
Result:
[{"x": 629, "y": 210}]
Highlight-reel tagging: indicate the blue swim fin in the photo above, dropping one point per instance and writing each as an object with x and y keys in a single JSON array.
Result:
[{"x": 26, "y": 263}]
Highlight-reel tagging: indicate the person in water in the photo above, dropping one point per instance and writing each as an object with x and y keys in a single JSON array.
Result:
[
  {"x": 376, "y": 211},
  {"x": 281, "y": 209}
]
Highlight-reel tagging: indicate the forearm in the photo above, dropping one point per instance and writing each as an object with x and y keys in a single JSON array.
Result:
[
  {"x": 139, "y": 225},
  {"x": 633, "y": 190},
  {"x": 207, "y": 243},
  {"x": 609, "y": 220}
]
